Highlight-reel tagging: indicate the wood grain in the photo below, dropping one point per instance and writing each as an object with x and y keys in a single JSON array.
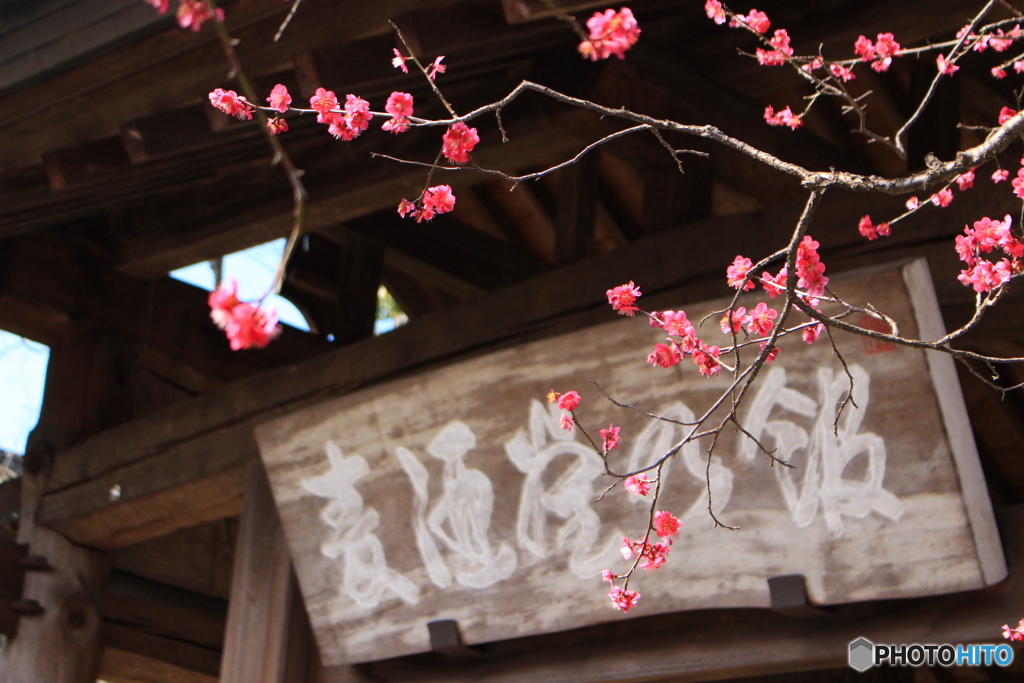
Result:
[
  {"x": 256, "y": 640},
  {"x": 857, "y": 526},
  {"x": 62, "y": 644},
  {"x": 957, "y": 424},
  {"x": 120, "y": 666}
]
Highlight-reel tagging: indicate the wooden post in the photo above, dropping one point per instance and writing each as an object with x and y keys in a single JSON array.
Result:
[
  {"x": 61, "y": 643},
  {"x": 265, "y": 641}
]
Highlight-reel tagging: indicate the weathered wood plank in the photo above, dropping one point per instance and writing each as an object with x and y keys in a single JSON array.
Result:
[
  {"x": 256, "y": 640},
  {"x": 513, "y": 482},
  {"x": 702, "y": 645}
]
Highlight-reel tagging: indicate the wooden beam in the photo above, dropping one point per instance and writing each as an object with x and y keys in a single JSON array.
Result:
[
  {"x": 122, "y": 666},
  {"x": 164, "y": 611},
  {"x": 355, "y": 192},
  {"x": 62, "y": 643},
  {"x": 192, "y": 447},
  {"x": 452, "y": 247},
  {"x": 158, "y": 650},
  {"x": 412, "y": 267},
  {"x": 263, "y": 591},
  {"x": 576, "y": 213},
  {"x": 154, "y": 500}
]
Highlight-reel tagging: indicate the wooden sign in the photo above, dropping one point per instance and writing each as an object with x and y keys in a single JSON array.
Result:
[{"x": 454, "y": 494}]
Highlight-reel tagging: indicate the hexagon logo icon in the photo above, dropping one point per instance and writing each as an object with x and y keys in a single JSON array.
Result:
[{"x": 862, "y": 654}]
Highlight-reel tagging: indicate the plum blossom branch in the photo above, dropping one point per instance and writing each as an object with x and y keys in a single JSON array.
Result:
[{"x": 900, "y": 136}]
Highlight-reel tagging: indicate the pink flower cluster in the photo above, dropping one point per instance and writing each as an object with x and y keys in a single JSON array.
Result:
[
  {"x": 568, "y": 402},
  {"x": 755, "y": 20},
  {"x": 622, "y": 599},
  {"x": 191, "y": 14},
  {"x": 879, "y": 53},
  {"x": 715, "y": 11},
  {"x": 782, "y": 51},
  {"x": 638, "y": 485},
  {"x": 985, "y": 237},
  {"x": 246, "y": 325},
  {"x": 786, "y": 117},
  {"x": 871, "y": 231},
  {"x": 809, "y": 268},
  {"x": 458, "y": 142},
  {"x": 611, "y": 33},
  {"x": 1018, "y": 182},
  {"x": 737, "y": 273},
  {"x": 1014, "y": 634},
  {"x": 651, "y": 556},
  {"x": 432, "y": 201},
  {"x": 841, "y": 72},
  {"x": 194, "y": 13},
  {"x": 231, "y": 103},
  {"x": 946, "y": 68},
  {"x": 345, "y": 123},
  {"x": 666, "y": 355},
  {"x": 610, "y": 438},
  {"x": 400, "y": 106},
  {"x": 623, "y": 297},
  {"x": 999, "y": 40}
]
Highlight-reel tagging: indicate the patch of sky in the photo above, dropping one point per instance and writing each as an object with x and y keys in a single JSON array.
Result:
[
  {"x": 254, "y": 270},
  {"x": 22, "y": 378}
]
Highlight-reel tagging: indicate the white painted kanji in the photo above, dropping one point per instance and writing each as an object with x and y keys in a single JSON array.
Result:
[
  {"x": 568, "y": 497},
  {"x": 826, "y": 450},
  {"x": 460, "y": 518},
  {"x": 366, "y": 575}
]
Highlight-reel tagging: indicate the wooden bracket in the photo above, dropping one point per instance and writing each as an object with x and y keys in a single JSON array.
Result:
[
  {"x": 445, "y": 639},
  {"x": 789, "y": 597},
  {"x": 34, "y": 563}
]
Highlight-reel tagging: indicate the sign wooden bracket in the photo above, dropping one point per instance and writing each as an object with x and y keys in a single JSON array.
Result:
[
  {"x": 446, "y": 639},
  {"x": 789, "y": 597}
]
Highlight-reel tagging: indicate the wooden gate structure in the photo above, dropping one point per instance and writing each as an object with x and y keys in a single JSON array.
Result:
[{"x": 173, "y": 522}]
